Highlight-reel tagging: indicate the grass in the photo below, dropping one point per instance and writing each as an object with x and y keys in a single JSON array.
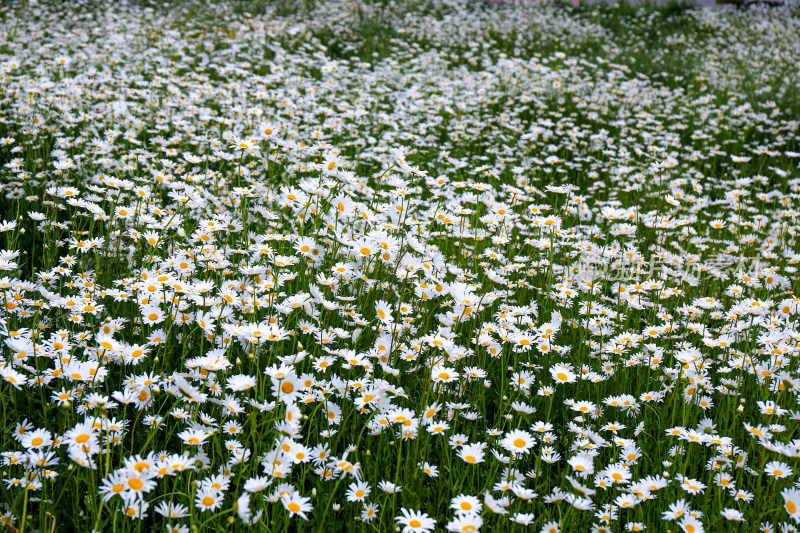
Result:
[{"x": 358, "y": 266}]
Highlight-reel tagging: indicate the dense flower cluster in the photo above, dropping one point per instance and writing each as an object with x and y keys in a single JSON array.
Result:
[{"x": 254, "y": 272}]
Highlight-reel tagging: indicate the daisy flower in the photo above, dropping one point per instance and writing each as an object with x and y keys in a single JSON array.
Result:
[
  {"x": 472, "y": 453},
  {"x": 518, "y": 441},
  {"x": 358, "y": 491},
  {"x": 415, "y": 522},
  {"x": 208, "y": 499},
  {"x": 193, "y": 437},
  {"x": 297, "y": 505},
  {"x": 465, "y": 523},
  {"x": 464, "y": 504},
  {"x": 791, "y": 502},
  {"x": 778, "y": 469},
  {"x": 550, "y": 527},
  {"x": 369, "y": 512}
]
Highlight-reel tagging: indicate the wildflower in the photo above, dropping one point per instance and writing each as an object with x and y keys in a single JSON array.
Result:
[
  {"x": 429, "y": 469},
  {"x": 357, "y": 491},
  {"x": 297, "y": 505},
  {"x": 414, "y": 521},
  {"x": 208, "y": 499},
  {"x": 524, "y": 519},
  {"x": 689, "y": 524},
  {"x": 135, "y": 509},
  {"x": 562, "y": 374},
  {"x": 384, "y": 312},
  {"x": 517, "y": 441},
  {"x": 10, "y": 375},
  {"x": 617, "y": 473},
  {"x": 472, "y": 453},
  {"x": 389, "y": 488},
  {"x": 550, "y": 527},
  {"x": 257, "y": 484},
  {"x": 369, "y": 512},
  {"x": 172, "y": 510},
  {"x": 732, "y": 514},
  {"x": 692, "y": 486},
  {"x": 495, "y": 506},
  {"x": 241, "y": 382},
  {"x": 193, "y": 437},
  {"x": 465, "y": 504},
  {"x": 36, "y": 439},
  {"x": 778, "y": 469},
  {"x": 791, "y": 502},
  {"x": 465, "y": 523}
]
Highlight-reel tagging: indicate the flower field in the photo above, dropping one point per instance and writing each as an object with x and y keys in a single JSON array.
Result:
[{"x": 365, "y": 266}]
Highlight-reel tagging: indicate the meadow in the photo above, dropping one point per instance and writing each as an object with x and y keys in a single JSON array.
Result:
[{"x": 350, "y": 265}]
